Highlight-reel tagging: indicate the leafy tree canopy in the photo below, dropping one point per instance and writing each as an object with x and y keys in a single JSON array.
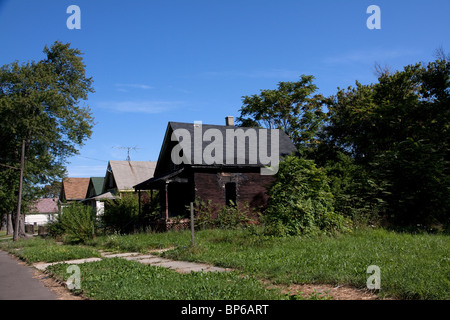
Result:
[
  {"x": 40, "y": 104},
  {"x": 398, "y": 130},
  {"x": 292, "y": 107}
]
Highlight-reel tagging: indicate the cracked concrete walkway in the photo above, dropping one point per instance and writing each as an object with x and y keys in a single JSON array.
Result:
[{"x": 149, "y": 259}]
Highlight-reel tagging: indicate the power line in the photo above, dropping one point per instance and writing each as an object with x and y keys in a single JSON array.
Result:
[{"x": 93, "y": 159}]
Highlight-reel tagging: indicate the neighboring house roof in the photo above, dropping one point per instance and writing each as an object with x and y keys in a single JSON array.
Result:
[
  {"x": 95, "y": 187},
  {"x": 104, "y": 196},
  {"x": 45, "y": 205},
  {"x": 74, "y": 188},
  {"x": 165, "y": 164},
  {"x": 123, "y": 175},
  {"x": 96, "y": 184}
]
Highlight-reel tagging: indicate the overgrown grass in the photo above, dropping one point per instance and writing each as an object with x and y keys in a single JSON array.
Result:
[
  {"x": 26, "y": 242},
  {"x": 56, "y": 253},
  {"x": 412, "y": 266},
  {"x": 141, "y": 242},
  {"x": 119, "y": 279},
  {"x": 3, "y": 235},
  {"x": 46, "y": 250}
]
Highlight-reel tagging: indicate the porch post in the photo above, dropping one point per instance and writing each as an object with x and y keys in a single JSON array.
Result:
[
  {"x": 139, "y": 197},
  {"x": 166, "y": 189}
]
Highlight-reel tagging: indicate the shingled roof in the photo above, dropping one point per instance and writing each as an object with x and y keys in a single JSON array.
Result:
[
  {"x": 45, "y": 205},
  {"x": 123, "y": 175},
  {"x": 97, "y": 184},
  {"x": 74, "y": 188},
  {"x": 285, "y": 145}
]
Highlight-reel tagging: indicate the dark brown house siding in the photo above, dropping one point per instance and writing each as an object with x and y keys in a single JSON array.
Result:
[{"x": 250, "y": 187}]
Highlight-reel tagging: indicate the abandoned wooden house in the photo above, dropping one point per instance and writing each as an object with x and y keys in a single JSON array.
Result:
[{"x": 221, "y": 163}]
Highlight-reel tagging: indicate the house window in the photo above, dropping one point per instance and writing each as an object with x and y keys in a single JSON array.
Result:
[{"x": 230, "y": 194}]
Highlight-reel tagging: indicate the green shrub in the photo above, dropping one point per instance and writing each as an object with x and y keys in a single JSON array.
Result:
[
  {"x": 77, "y": 223},
  {"x": 234, "y": 216},
  {"x": 121, "y": 214},
  {"x": 55, "y": 228},
  {"x": 204, "y": 214},
  {"x": 228, "y": 217},
  {"x": 300, "y": 201}
]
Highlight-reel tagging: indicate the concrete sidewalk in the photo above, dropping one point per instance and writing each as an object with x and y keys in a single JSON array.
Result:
[
  {"x": 149, "y": 259},
  {"x": 17, "y": 282},
  {"x": 179, "y": 266}
]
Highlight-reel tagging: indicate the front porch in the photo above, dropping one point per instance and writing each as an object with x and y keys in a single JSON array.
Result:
[{"x": 175, "y": 194}]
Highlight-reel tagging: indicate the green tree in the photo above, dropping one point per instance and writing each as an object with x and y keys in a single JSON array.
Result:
[
  {"x": 291, "y": 107},
  {"x": 357, "y": 196},
  {"x": 398, "y": 130},
  {"x": 40, "y": 111}
]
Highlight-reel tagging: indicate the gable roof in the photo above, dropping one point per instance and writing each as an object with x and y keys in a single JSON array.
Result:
[
  {"x": 126, "y": 174},
  {"x": 45, "y": 205},
  {"x": 97, "y": 184},
  {"x": 285, "y": 145},
  {"x": 74, "y": 188}
]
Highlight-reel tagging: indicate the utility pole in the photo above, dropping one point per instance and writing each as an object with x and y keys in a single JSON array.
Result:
[{"x": 19, "y": 201}]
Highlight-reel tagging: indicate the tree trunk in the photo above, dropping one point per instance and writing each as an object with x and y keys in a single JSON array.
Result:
[
  {"x": 19, "y": 200},
  {"x": 9, "y": 224},
  {"x": 22, "y": 226},
  {"x": 3, "y": 223}
]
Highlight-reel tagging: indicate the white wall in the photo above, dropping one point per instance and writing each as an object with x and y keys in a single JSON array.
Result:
[
  {"x": 40, "y": 219},
  {"x": 100, "y": 206}
]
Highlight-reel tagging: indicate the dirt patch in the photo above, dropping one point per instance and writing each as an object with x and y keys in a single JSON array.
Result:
[
  {"x": 321, "y": 291},
  {"x": 56, "y": 286}
]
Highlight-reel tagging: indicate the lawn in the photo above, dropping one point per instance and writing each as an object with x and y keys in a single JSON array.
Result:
[
  {"x": 46, "y": 250},
  {"x": 4, "y": 236},
  {"x": 411, "y": 266},
  {"x": 120, "y": 279}
]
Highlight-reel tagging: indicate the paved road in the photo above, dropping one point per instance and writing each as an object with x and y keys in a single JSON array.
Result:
[{"x": 17, "y": 282}]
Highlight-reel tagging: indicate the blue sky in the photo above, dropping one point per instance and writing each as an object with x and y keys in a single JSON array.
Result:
[{"x": 158, "y": 61}]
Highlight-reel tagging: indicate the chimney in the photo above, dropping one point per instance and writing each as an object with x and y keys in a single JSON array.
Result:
[{"x": 229, "y": 121}]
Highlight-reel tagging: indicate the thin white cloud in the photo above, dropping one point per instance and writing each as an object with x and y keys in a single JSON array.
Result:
[
  {"x": 124, "y": 86},
  {"x": 143, "y": 106}
]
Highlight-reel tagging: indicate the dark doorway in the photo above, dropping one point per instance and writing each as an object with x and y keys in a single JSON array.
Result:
[
  {"x": 179, "y": 197},
  {"x": 230, "y": 194}
]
